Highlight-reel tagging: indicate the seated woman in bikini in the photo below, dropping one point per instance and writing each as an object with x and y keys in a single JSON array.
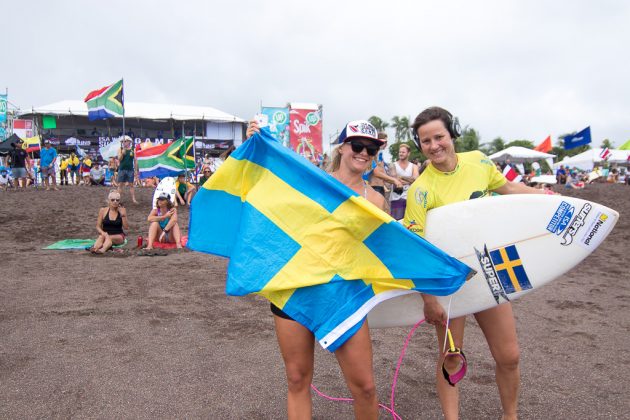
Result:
[
  {"x": 163, "y": 223},
  {"x": 110, "y": 224}
]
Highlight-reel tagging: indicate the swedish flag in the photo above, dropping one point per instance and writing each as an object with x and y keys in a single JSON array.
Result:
[
  {"x": 509, "y": 268},
  {"x": 308, "y": 243}
]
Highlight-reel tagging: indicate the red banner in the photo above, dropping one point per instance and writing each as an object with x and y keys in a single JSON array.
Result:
[{"x": 306, "y": 131}]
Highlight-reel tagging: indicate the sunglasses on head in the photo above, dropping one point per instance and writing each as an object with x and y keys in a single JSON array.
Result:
[{"x": 357, "y": 147}]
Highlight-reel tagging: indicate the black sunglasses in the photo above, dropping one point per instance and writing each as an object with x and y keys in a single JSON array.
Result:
[{"x": 357, "y": 147}]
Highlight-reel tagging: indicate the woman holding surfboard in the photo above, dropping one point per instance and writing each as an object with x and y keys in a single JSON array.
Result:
[
  {"x": 358, "y": 144},
  {"x": 449, "y": 178}
]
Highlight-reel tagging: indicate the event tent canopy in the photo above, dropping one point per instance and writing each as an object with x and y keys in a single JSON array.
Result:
[
  {"x": 5, "y": 146},
  {"x": 518, "y": 154},
  {"x": 588, "y": 159},
  {"x": 140, "y": 110}
]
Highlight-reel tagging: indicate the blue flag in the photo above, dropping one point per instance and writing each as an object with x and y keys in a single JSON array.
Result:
[
  {"x": 579, "y": 139},
  {"x": 312, "y": 246}
]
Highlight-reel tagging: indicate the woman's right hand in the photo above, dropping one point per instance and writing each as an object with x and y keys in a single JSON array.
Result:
[
  {"x": 434, "y": 313},
  {"x": 252, "y": 128}
]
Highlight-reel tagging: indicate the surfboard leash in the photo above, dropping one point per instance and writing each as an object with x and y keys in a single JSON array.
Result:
[
  {"x": 452, "y": 351},
  {"x": 451, "y": 378},
  {"x": 389, "y": 409}
]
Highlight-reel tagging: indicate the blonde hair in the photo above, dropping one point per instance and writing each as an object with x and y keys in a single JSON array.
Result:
[
  {"x": 113, "y": 194},
  {"x": 335, "y": 160}
]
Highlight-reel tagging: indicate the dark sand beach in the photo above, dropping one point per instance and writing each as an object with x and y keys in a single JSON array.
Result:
[{"x": 131, "y": 336}]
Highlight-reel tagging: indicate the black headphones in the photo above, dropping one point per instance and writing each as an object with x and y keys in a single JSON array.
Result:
[{"x": 452, "y": 125}]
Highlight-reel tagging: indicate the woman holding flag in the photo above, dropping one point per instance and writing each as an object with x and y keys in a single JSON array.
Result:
[
  {"x": 358, "y": 144},
  {"x": 449, "y": 178}
]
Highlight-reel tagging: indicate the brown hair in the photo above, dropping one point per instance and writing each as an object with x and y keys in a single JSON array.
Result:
[
  {"x": 436, "y": 113},
  {"x": 169, "y": 203}
]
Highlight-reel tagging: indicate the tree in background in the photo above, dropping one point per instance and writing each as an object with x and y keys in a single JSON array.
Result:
[
  {"x": 494, "y": 146},
  {"x": 402, "y": 131},
  {"x": 469, "y": 140},
  {"x": 528, "y": 144},
  {"x": 607, "y": 143},
  {"x": 378, "y": 123}
]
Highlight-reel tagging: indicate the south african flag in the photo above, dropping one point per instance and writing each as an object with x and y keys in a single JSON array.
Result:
[
  {"x": 106, "y": 102},
  {"x": 166, "y": 159}
]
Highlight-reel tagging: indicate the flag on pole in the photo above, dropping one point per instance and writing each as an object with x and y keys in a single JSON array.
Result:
[
  {"x": 511, "y": 174},
  {"x": 605, "y": 154},
  {"x": 309, "y": 244},
  {"x": 545, "y": 146},
  {"x": 578, "y": 139},
  {"x": 167, "y": 159},
  {"x": 625, "y": 146},
  {"x": 106, "y": 102}
]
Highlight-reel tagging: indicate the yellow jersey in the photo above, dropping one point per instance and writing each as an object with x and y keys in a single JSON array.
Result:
[
  {"x": 474, "y": 177},
  {"x": 63, "y": 165}
]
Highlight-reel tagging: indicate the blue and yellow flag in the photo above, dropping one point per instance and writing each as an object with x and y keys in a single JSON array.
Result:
[{"x": 308, "y": 243}]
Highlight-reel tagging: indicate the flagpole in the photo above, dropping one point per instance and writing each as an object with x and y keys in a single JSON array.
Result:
[
  {"x": 185, "y": 150},
  {"x": 123, "y": 98}
]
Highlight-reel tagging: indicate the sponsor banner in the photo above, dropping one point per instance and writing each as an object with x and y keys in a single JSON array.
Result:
[
  {"x": 92, "y": 144},
  {"x": 277, "y": 119},
  {"x": 3, "y": 133},
  {"x": 23, "y": 128},
  {"x": 596, "y": 231},
  {"x": 3, "y": 109},
  {"x": 306, "y": 131},
  {"x": 561, "y": 218}
]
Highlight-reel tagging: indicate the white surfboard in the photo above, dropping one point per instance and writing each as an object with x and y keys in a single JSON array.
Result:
[
  {"x": 516, "y": 243},
  {"x": 167, "y": 186}
]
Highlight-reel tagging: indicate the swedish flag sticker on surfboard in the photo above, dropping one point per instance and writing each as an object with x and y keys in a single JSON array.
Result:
[{"x": 509, "y": 268}]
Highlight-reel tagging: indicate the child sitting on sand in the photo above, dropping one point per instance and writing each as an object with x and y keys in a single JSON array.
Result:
[{"x": 163, "y": 223}]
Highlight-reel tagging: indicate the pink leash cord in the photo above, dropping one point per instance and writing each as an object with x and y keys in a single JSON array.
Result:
[{"x": 389, "y": 409}]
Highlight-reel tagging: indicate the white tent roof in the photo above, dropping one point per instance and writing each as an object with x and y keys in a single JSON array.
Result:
[
  {"x": 519, "y": 154},
  {"x": 588, "y": 159},
  {"x": 141, "y": 110}
]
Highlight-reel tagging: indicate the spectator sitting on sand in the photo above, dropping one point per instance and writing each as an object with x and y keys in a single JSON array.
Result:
[
  {"x": 613, "y": 176},
  {"x": 573, "y": 181},
  {"x": 110, "y": 224},
  {"x": 163, "y": 223},
  {"x": 5, "y": 179},
  {"x": 184, "y": 190},
  {"x": 97, "y": 175}
]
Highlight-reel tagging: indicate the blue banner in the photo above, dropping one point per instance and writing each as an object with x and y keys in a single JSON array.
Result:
[
  {"x": 3, "y": 109},
  {"x": 579, "y": 139},
  {"x": 278, "y": 123}
]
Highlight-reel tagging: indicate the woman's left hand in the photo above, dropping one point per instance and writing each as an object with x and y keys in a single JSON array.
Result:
[{"x": 252, "y": 128}]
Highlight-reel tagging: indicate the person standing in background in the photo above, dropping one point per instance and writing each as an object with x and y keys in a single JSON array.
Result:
[
  {"x": 407, "y": 172},
  {"x": 19, "y": 164},
  {"x": 48, "y": 156},
  {"x": 126, "y": 168}
]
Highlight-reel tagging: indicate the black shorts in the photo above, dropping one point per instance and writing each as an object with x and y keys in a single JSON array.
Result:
[
  {"x": 278, "y": 312},
  {"x": 379, "y": 189}
]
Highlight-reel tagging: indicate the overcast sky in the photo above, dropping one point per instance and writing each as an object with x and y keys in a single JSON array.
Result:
[{"x": 515, "y": 69}]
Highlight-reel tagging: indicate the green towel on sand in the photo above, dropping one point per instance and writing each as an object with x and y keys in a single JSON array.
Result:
[{"x": 77, "y": 244}]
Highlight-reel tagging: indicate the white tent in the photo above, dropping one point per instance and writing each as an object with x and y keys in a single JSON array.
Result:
[
  {"x": 518, "y": 154},
  {"x": 141, "y": 110},
  {"x": 587, "y": 160}
]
